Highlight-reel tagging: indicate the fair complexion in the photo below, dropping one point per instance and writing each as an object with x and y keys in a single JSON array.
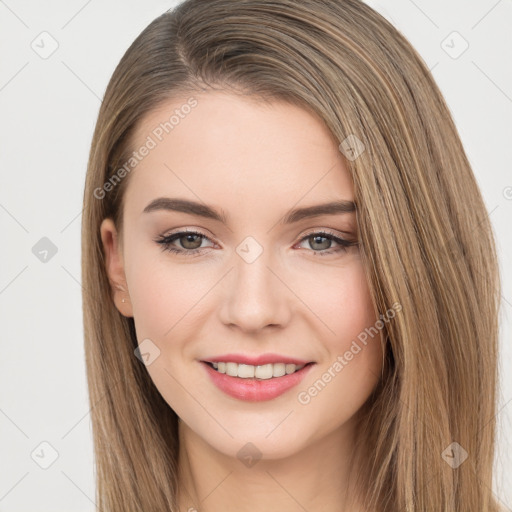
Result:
[{"x": 305, "y": 296}]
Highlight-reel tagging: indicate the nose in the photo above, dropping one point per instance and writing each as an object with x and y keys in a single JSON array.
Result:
[{"x": 255, "y": 296}]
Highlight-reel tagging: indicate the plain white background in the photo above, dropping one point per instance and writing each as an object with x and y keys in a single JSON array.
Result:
[{"x": 49, "y": 105}]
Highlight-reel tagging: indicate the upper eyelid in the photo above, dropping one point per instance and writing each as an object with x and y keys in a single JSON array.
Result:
[{"x": 312, "y": 231}]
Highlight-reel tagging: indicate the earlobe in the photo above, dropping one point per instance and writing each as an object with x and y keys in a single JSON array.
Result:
[{"x": 114, "y": 266}]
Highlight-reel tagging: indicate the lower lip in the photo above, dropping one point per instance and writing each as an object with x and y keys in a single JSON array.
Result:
[{"x": 255, "y": 390}]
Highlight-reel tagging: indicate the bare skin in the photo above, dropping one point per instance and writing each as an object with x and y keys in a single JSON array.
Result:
[{"x": 301, "y": 297}]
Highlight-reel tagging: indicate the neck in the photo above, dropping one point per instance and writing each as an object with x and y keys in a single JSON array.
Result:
[{"x": 315, "y": 479}]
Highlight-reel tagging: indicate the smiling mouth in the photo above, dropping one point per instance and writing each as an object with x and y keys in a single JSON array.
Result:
[{"x": 261, "y": 372}]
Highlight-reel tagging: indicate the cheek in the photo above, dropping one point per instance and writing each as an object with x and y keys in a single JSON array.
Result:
[
  {"x": 358, "y": 336},
  {"x": 153, "y": 304},
  {"x": 353, "y": 352},
  {"x": 161, "y": 292},
  {"x": 165, "y": 298},
  {"x": 354, "y": 310},
  {"x": 340, "y": 300}
]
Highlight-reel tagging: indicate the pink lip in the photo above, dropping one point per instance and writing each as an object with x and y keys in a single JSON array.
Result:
[
  {"x": 256, "y": 360},
  {"x": 255, "y": 390}
]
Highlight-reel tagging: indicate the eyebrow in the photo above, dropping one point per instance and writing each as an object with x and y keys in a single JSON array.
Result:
[{"x": 203, "y": 210}]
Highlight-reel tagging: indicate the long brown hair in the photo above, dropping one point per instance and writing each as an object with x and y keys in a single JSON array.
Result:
[{"x": 425, "y": 238}]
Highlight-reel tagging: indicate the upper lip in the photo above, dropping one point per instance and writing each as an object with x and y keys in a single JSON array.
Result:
[{"x": 256, "y": 360}]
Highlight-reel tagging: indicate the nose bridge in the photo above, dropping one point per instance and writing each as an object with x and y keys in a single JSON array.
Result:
[{"x": 256, "y": 297}]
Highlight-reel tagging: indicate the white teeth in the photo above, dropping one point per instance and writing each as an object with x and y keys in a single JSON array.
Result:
[
  {"x": 279, "y": 369},
  {"x": 264, "y": 371},
  {"x": 246, "y": 371},
  {"x": 290, "y": 368},
  {"x": 232, "y": 369}
]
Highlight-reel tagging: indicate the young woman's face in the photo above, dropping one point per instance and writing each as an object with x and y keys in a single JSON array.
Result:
[{"x": 256, "y": 285}]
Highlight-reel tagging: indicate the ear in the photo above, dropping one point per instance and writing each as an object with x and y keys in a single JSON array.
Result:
[{"x": 115, "y": 267}]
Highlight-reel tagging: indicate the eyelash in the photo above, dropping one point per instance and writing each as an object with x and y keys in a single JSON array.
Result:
[{"x": 166, "y": 241}]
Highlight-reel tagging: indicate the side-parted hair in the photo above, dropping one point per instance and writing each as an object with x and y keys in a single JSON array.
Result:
[{"x": 425, "y": 238}]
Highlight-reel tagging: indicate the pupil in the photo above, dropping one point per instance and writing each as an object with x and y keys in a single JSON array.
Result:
[
  {"x": 318, "y": 237},
  {"x": 189, "y": 239}
]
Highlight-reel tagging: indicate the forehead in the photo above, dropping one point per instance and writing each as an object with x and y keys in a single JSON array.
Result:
[{"x": 222, "y": 147}]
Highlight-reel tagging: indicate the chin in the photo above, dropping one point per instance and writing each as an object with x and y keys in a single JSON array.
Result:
[{"x": 257, "y": 441}]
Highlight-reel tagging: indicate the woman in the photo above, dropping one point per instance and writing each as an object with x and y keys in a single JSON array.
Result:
[{"x": 291, "y": 288}]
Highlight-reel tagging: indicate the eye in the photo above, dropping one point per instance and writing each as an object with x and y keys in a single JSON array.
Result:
[
  {"x": 189, "y": 240},
  {"x": 323, "y": 240}
]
